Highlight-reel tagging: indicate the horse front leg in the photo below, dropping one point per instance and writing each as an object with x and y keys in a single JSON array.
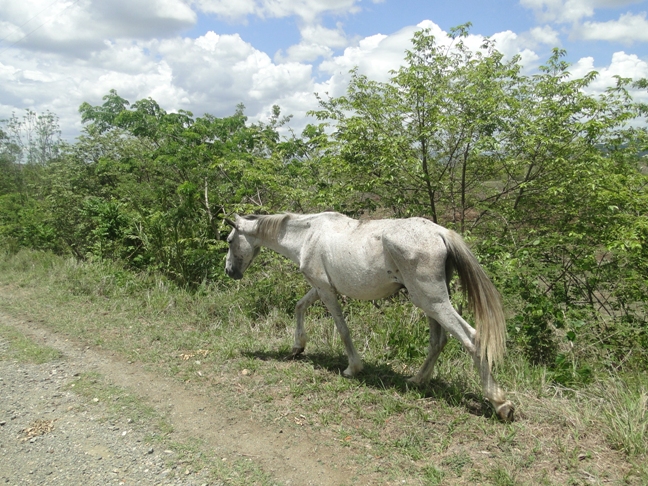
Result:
[
  {"x": 300, "y": 333},
  {"x": 330, "y": 301}
]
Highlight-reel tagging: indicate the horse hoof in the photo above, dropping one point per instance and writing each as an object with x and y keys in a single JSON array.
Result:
[
  {"x": 351, "y": 371},
  {"x": 294, "y": 353},
  {"x": 505, "y": 412}
]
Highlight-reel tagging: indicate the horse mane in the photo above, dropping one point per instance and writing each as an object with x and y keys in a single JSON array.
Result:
[{"x": 267, "y": 226}]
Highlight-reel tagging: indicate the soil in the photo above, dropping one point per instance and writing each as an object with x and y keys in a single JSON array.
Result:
[{"x": 51, "y": 435}]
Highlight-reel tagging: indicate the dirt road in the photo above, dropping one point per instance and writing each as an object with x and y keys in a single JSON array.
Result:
[{"x": 49, "y": 434}]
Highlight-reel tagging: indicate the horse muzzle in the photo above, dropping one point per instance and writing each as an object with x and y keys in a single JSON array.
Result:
[{"x": 235, "y": 274}]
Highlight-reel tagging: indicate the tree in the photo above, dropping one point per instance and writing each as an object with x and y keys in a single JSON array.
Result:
[
  {"x": 164, "y": 199},
  {"x": 420, "y": 144},
  {"x": 35, "y": 138},
  {"x": 541, "y": 176},
  {"x": 26, "y": 146}
]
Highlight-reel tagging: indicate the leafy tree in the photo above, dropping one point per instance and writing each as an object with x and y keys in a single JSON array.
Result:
[
  {"x": 541, "y": 176},
  {"x": 182, "y": 176},
  {"x": 34, "y": 139},
  {"x": 26, "y": 146},
  {"x": 421, "y": 143}
]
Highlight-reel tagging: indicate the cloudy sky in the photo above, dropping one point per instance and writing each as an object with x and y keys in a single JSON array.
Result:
[{"x": 207, "y": 56}]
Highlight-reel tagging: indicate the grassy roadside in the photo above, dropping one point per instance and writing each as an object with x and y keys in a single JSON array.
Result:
[
  {"x": 116, "y": 403},
  {"x": 438, "y": 434},
  {"x": 17, "y": 347},
  {"x": 189, "y": 455}
]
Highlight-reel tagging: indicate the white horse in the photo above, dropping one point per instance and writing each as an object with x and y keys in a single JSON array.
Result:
[{"x": 373, "y": 260}]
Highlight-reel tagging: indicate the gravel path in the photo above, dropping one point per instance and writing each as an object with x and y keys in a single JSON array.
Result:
[{"x": 49, "y": 434}]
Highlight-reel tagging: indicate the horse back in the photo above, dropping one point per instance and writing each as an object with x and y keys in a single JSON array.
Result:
[
  {"x": 367, "y": 259},
  {"x": 348, "y": 255}
]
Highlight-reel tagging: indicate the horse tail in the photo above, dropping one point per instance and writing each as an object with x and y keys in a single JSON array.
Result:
[{"x": 483, "y": 298}]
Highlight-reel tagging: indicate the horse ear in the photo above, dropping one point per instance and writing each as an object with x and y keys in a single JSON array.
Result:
[{"x": 230, "y": 222}]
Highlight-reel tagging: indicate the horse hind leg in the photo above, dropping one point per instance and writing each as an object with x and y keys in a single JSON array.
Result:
[
  {"x": 492, "y": 391},
  {"x": 452, "y": 322},
  {"x": 426, "y": 275},
  {"x": 300, "y": 333},
  {"x": 438, "y": 340}
]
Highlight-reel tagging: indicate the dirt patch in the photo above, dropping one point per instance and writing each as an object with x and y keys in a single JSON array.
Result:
[{"x": 36, "y": 395}]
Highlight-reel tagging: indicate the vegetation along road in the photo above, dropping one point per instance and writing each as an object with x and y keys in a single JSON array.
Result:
[
  {"x": 127, "y": 355},
  {"x": 72, "y": 414},
  {"x": 140, "y": 389}
]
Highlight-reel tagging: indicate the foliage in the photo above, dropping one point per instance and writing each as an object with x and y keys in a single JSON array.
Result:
[
  {"x": 546, "y": 182},
  {"x": 32, "y": 139},
  {"x": 543, "y": 177},
  {"x": 150, "y": 188}
]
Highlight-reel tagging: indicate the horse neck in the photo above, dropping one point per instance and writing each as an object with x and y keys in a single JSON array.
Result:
[{"x": 290, "y": 239}]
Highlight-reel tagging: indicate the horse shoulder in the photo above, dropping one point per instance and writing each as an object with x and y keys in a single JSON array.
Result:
[{"x": 310, "y": 256}]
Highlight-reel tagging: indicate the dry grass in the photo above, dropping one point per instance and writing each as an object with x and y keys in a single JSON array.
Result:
[{"x": 442, "y": 433}]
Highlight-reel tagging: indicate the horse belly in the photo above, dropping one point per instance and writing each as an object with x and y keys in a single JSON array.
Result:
[
  {"x": 370, "y": 292},
  {"x": 365, "y": 276}
]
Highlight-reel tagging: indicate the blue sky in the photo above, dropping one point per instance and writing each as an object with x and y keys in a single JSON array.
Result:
[
  {"x": 207, "y": 56},
  {"x": 272, "y": 34},
  {"x": 387, "y": 17}
]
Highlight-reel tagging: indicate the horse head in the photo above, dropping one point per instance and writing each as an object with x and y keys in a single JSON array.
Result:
[{"x": 243, "y": 247}]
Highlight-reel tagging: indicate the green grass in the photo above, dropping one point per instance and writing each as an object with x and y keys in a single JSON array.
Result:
[
  {"x": 625, "y": 416},
  {"x": 16, "y": 346},
  {"x": 441, "y": 433}
]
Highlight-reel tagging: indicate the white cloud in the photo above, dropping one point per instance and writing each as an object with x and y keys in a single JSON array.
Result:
[
  {"x": 227, "y": 9},
  {"x": 510, "y": 44},
  {"x": 81, "y": 27},
  {"x": 307, "y": 10},
  {"x": 318, "y": 34},
  {"x": 375, "y": 56},
  {"x": 566, "y": 11},
  {"x": 544, "y": 35},
  {"x": 621, "y": 64},
  {"x": 303, "y": 51},
  {"x": 212, "y": 73},
  {"x": 559, "y": 10},
  {"x": 8, "y": 74},
  {"x": 525, "y": 45},
  {"x": 317, "y": 41},
  {"x": 628, "y": 29},
  {"x": 220, "y": 71}
]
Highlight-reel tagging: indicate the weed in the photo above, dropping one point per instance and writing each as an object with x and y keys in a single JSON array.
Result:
[
  {"x": 17, "y": 346},
  {"x": 148, "y": 320},
  {"x": 432, "y": 476},
  {"x": 625, "y": 418},
  {"x": 457, "y": 462},
  {"x": 411, "y": 444},
  {"x": 500, "y": 476}
]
